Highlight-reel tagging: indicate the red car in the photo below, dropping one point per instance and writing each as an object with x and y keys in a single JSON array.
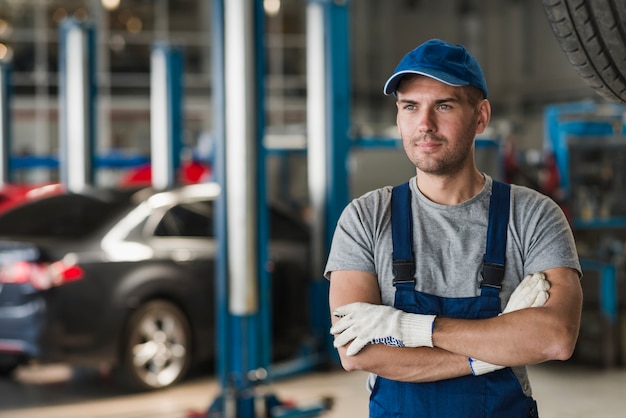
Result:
[{"x": 11, "y": 195}]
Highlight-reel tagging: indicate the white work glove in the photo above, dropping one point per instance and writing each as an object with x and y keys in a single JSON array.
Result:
[
  {"x": 365, "y": 323},
  {"x": 532, "y": 292}
]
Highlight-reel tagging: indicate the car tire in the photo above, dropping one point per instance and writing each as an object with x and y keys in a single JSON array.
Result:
[
  {"x": 8, "y": 363},
  {"x": 156, "y": 347},
  {"x": 591, "y": 34}
]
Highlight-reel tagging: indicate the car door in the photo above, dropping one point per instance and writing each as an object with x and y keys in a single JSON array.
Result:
[{"x": 182, "y": 235}]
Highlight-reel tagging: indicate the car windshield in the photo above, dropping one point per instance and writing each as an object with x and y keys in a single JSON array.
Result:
[{"x": 62, "y": 216}]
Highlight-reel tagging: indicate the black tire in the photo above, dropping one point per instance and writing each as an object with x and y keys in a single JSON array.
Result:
[
  {"x": 592, "y": 33},
  {"x": 156, "y": 348},
  {"x": 8, "y": 363}
]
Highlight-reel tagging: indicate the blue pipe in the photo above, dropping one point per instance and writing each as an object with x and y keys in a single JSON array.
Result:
[
  {"x": 219, "y": 130},
  {"x": 5, "y": 122},
  {"x": 263, "y": 338}
]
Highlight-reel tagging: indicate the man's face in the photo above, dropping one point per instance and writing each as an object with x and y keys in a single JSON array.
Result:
[{"x": 438, "y": 125}]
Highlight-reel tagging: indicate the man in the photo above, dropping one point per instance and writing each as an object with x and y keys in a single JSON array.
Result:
[{"x": 422, "y": 310}]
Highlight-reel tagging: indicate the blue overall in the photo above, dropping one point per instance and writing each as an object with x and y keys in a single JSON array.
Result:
[{"x": 495, "y": 395}]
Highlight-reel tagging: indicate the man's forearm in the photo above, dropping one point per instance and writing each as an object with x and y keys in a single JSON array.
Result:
[
  {"x": 522, "y": 337},
  {"x": 421, "y": 364},
  {"x": 513, "y": 339}
]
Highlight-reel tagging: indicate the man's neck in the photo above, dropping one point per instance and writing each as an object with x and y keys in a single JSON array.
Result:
[{"x": 450, "y": 190}]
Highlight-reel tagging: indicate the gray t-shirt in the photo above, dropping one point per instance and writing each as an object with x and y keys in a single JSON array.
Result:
[{"x": 449, "y": 242}]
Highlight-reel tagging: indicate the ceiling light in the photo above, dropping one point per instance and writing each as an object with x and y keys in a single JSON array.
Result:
[
  {"x": 110, "y": 4},
  {"x": 5, "y": 28},
  {"x": 59, "y": 15},
  {"x": 272, "y": 7},
  {"x": 134, "y": 25},
  {"x": 5, "y": 52}
]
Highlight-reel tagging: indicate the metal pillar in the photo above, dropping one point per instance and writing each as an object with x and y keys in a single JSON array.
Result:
[
  {"x": 328, "y": 143},
  {"x": 77, "y": 97},
  {"x": 5, "y": 122},
  {"x": 243, "y": 337},
  {"x": 166, "y": 113},
  {"x": 243, "y": 324},
  {"x": 222, "y": 325}
]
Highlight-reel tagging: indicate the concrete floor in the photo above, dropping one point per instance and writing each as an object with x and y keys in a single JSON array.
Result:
[{"x": 562, "y": 390}]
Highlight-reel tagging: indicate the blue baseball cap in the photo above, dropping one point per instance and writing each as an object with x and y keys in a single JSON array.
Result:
[{"x": 451, "y": 64}]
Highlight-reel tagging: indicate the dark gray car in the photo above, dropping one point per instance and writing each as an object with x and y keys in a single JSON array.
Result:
[{"x": 126, "y": 278}]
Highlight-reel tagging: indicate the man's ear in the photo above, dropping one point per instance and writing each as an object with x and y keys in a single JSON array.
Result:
[{"x": 484, "y": 116}]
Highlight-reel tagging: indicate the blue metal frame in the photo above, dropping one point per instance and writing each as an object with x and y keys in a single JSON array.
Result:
[
  {"x": 110, "y": 160},
  {"x": 585, "y": 121},
  {"x": 247, "y": 337},
  {"x": 263, "y": 333},
  {"x": 337, "y": 98},
  {"x": 176, "y": 70},
  {"x": 338, "y": 110},
  {"x": 219, "y": 131},
  {"x": 557, "y": 130},
  {"x": 243, "y": 341},
  {"x": 235, "y": 335},
  {"x": 6, "y": 134},
  {"x": 608, "y": 287}
]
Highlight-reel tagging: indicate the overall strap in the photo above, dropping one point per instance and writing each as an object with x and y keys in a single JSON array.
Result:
[
  {"x": 402, "y": 235},
  {"x": 494, "y": 259}
]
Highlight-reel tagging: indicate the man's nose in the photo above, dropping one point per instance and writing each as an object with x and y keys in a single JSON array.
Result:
[{"x": 425, "y": 121}]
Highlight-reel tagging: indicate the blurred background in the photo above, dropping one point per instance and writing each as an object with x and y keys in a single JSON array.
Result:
[
  {"x": 522, "y": 61},
  {"x": 550, "y": 130}
]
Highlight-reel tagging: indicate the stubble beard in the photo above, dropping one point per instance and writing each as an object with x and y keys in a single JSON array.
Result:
[{"x": 450, "y": 162}]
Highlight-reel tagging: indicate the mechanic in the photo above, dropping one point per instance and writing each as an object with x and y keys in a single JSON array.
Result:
[{"x": 446, "y": 287}]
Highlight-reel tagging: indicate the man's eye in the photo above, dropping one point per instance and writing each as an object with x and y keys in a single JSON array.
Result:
[
  {"x": 444, "y": 107},
  {"x": 409, "y": 107}
]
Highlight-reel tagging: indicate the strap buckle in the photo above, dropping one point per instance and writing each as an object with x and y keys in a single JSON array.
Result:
[
  {"x": 493, "y": 274},
  {"x": 403, "y": 271}
]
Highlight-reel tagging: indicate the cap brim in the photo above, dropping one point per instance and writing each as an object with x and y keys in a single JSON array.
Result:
[{"x": 392, "y": 83}]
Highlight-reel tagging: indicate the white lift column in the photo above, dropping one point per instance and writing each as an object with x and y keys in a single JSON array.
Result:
[{"x": 77, "y": 98}]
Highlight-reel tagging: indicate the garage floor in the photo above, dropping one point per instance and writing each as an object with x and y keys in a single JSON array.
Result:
[{"x": 563, "y": 390}]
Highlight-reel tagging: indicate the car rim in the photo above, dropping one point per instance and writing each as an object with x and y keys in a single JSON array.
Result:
[{"x": 158, "y": 348}]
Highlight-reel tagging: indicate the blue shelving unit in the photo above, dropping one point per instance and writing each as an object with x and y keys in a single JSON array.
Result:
[{"x": 588, "y": 142}]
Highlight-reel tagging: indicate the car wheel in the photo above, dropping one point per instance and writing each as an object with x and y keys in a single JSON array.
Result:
[
  {"x": 8, "y": 363},
  {"x": 591, "y": 35},
  {"x": 156, "y": 349}
]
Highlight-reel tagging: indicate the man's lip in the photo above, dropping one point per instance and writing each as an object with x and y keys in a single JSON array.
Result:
[{"x": 428, "y": 145}]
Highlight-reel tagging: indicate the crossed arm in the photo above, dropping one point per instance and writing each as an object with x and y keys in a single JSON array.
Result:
[{"x": 517, "y": 338}]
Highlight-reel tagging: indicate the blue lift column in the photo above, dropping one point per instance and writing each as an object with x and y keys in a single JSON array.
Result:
[
  {"x": 166, "y": 113},
  {"x": 224, "y": 404},
  {"x": 242, "y": 335},
  {"x": 242, "y": 282},
  {"x": 77, "y": 104},
  {"x": 328, "y": 125},
  {"x": 5, "y": 122}
]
